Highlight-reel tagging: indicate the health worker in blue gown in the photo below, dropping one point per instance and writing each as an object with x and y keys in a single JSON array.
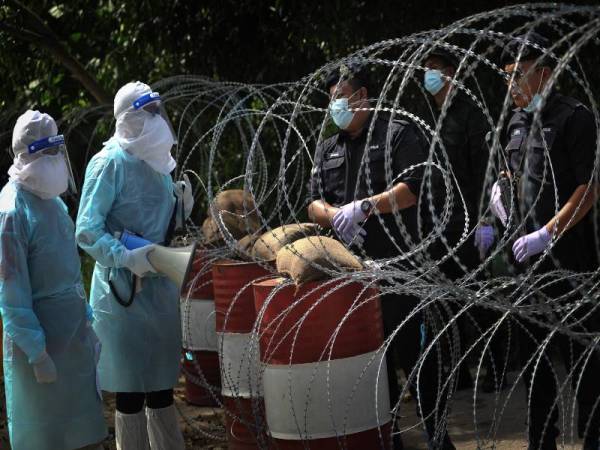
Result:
[
  {"x": 128, "y": 187},
  {"x": 50, "y": 348}
]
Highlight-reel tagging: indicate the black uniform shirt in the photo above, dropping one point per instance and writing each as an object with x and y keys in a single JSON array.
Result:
[
  {"x": 340, "y": 175},
  {"x": 568, "y": 137},
  {"x": 463, "y": 134}
]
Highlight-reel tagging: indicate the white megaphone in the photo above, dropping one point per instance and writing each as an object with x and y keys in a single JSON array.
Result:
[{"x": 175, "y": 263}]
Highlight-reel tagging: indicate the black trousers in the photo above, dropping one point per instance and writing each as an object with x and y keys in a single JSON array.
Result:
[
  {"x": 404, "y": 353},
  {"x": 477, "y": 319},
  {"x": 558, "y": 292},
  {"x": 543, "y": 388},
  {"x": 133, "y": 402}
]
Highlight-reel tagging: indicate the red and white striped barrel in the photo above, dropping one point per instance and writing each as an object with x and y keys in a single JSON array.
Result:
[
  {"x": 198, "y": 324},
  {"x": 241, "y": 387},
  {"x": 325, "y": 377}
]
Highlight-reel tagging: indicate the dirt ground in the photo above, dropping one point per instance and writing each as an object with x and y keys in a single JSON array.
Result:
[{"x": 203, "y": 429}]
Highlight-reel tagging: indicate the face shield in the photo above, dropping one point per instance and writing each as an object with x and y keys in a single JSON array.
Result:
[
  {"x": 54, "y": 145},
  {"x": 151, "y": 103}
]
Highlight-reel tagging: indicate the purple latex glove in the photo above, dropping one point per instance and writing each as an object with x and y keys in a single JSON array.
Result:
[
  {"x": 348, "y": 215},
  {"x": 531, "y": 244},
  {"x": 345, "y": 223},
  {"x": 484, "y": 238},
  {"x": 354, "y": 234},
  {"x": 496, "y": 205}
]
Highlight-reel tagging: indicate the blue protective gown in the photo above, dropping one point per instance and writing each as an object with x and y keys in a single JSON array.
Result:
[
  {"x": 141, "y": 343},
  {"x": 43, "y": 307}
]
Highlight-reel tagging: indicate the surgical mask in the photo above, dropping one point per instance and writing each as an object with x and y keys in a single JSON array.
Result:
[
  {"x": 340, "y": 114},
  {"x": 46, "y": 176},
  {"x": 534, "y": 104},
  {"x": 433, "y": 81},
  {"x": 153, "y": 145}
]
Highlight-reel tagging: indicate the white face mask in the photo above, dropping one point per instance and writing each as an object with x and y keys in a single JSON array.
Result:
[
  {"x": 46, "y": 176},
  {"x": 153, "y": 145}
]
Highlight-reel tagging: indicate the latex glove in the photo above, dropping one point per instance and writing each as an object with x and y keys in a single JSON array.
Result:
[
  {"x": 185, "y": 200},
  {"x": 44, "y": 369},
  {"x": 354, "y": 234},
  {"x": 531, "y": 244},
  {"x": 347, "y": 216},
  {"x": 484, "y": 238},
  {"x": 496, "y": 205},
  {"x": 137, "y": 260}
]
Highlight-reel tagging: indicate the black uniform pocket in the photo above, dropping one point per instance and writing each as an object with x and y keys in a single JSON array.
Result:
[
  {"x": 536, "y": 160},
  {"x": 375, "y": 175},
  {"x": 514, "y": 153},
  {"x": 334, "y": 174}
]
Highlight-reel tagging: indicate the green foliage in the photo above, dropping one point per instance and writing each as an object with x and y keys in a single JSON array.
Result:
[
  {"x": 250, "y": 41},
  {"x": 87, "y": 270},
  {"x": 247, "y": 41}
]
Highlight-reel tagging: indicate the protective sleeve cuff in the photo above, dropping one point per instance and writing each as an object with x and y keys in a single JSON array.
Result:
[
  {"x": 113, "y": 251},
  {"x": 38, "y": 357}
]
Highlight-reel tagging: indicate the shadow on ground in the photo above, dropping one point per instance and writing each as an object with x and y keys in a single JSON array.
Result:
[{"x": 203, "y": 429}]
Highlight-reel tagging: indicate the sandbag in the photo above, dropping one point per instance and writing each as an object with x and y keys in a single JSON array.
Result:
[
  {"x": 210, "y": 233},
  {"x": 267, "y": 245},
  {"x": 237, "y": 210},
  {"x": 304, "y": 259},
  {"x": 245, "y": 244}
]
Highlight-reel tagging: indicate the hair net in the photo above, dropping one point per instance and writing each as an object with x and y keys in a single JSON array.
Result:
[
  {"x": 30, "y": 127},
  {"x": 130, "y": 122},
  {"x": 127, "y": 95}
]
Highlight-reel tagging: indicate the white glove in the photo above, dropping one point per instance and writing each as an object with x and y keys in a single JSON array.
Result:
[
  {"x": 137, "y": 260},
  {"x": 185, "y": 200},
  {"x": 496, "y": 205},
  {"x": 44, "y": 369}
]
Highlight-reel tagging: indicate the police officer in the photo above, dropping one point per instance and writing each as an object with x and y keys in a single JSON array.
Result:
[
  {"x": 463, "y": 139},
  {"x": 551, "y": 151},
  {"x": 351, "y": 193}
]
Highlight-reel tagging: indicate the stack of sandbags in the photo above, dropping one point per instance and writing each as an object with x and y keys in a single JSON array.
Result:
[
  {"x": 308, "y": 259},
  {"x": 237, "y": 210},
  {"x": 267, "y": 245}
]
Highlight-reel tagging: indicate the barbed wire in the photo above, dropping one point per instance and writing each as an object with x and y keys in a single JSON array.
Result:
[{"x": 262, "y": 140}]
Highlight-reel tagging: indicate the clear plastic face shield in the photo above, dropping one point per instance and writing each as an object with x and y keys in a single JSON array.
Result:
[
  {"x": 54, "y": 145},
  {"x": 151, "y": 103}
]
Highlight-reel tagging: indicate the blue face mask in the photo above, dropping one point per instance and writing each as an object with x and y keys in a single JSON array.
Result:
[
  {"x": 432, "y": 81},
  {"x": 338, "y": 109},
  {"x": 534, "y": 104}
]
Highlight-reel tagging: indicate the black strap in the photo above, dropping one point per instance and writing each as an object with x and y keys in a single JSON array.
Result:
[
  {"x": 168, "y": 238},
  {"x": 120, "y": 301},
  {"x": 171, "y": 228}
]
